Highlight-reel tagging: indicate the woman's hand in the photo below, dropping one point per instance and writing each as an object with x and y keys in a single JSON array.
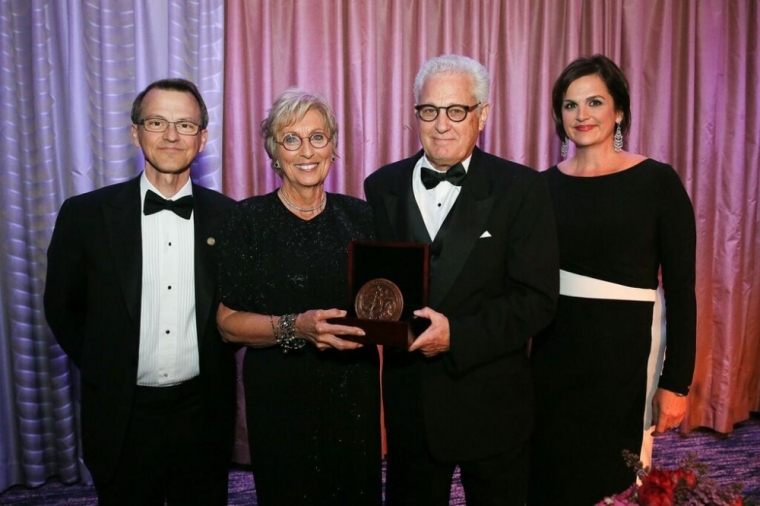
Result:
[
  {"x": 668, "y": 409},
  {"x": 312, "y": 326}
]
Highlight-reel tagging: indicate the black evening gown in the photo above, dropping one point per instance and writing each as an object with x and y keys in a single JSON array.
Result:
[
  {"x": 313, "y": 417},
  {"x": 590, "y": 364}
]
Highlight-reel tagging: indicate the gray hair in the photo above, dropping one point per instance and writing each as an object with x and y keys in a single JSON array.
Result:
[
  {"x": 455, "y": 64},
  {"x": 289, "y": 108}
]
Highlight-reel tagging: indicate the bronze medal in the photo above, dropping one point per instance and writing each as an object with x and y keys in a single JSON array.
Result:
[{"x": 379, "y": 299}]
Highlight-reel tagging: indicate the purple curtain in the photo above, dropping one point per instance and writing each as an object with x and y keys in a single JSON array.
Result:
[{"x": 70, "y": 70}]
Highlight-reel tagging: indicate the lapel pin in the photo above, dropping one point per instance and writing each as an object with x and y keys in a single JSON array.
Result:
[{"x": 210, "y": 241}]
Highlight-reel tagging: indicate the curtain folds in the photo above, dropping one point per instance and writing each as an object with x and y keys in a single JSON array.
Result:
[
  {"x": 70, "y": 69},
  {"x": 693, "y": 68}
]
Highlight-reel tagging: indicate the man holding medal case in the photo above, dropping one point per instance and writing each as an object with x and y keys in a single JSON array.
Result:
[{"x": 462, "y": 395}]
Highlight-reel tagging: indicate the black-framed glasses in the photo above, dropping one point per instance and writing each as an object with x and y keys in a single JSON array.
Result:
[
  {"x": 292, "y": 142},
  {"x": 160, "y": 125},
  {"x": 455, "y": 112}
]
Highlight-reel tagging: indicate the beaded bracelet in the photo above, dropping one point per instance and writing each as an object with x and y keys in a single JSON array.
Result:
[
  {"x": 286, "y": 334},
  {"x": 271, "y": 323}
]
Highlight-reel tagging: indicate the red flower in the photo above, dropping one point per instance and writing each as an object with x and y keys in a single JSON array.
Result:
[
  {"x": 684, "y": 477},
  {"x": 657, "y": 488},
  {"x": 687, "y": 485}
]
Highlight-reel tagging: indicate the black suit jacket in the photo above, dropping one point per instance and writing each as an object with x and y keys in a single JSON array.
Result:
[
  {"x": 92, "y": 304},
  {"x": 497, "y": 291}
]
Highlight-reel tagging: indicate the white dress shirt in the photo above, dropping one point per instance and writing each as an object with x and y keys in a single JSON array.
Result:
[
  {"x": 168, "y": 333},
  {"x": 435, "y": 203}
]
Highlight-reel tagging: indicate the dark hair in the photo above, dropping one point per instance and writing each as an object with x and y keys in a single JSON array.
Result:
[
  {"x": 613, "y": 78},
  {"x": 171, "y": 84}
]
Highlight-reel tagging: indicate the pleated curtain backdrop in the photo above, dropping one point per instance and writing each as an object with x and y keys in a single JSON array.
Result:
[
  {"x": 694, "y": 76},
  {"x": 70, "y": 71},
  {"x": 71, "y": 68}
]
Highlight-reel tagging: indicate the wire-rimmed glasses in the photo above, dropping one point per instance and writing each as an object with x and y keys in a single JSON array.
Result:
[
  {"x": 159, "y": 125},
  {"x": 292, "y": 142}
]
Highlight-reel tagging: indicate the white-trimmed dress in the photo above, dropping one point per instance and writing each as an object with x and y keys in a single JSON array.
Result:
[{"x": 597, "y": 366}]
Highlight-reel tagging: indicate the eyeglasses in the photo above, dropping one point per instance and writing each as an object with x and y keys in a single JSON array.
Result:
[
  {"x": 292, "y": 142},
  {"x": 160, "y": 125},
  {"x": 455, "y": 112}
]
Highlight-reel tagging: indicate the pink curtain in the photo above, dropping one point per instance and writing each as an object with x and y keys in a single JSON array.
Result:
[{"x": 693, "y": 69}]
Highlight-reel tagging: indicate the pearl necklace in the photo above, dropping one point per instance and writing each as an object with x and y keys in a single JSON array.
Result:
[{"x": 302, "y": 209}]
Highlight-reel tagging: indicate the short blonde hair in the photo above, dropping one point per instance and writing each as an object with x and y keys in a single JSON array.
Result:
[{"x": 290, "y": 107}]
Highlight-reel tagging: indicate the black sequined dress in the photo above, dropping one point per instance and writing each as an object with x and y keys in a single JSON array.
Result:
[{"x": 313, "y": 417}]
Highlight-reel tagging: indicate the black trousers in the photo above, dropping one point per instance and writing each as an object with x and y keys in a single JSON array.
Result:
[
  {"x": 415, "y": 478},
  {"x": 169, "y": 454}
]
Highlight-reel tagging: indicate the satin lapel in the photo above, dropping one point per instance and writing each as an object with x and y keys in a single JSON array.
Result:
[
  {"x": 460, "y": 231},
  {"x": 124, "y": 232},
  {"x": 417, "y": 230},
  {"x": 205, "y": 241},
  {"x": 390, "y": 202},
  {"x": 400, "y": 205}
]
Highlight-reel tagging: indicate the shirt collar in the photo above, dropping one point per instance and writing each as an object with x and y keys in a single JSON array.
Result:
[
  {"x": 426, "y": 163},
  {"x": 146, "y": 185}
]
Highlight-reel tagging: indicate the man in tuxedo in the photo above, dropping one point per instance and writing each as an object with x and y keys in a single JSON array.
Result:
[
  {"x": 131, "y": 298},
  {"x": 462, "y": 394}
]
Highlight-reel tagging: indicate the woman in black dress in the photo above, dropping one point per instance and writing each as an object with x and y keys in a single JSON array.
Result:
[
  {"x": 601, "y": 384},
  {"x": 312, "y": 398}
]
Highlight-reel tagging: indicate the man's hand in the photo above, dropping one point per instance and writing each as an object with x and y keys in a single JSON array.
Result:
[{"x": 436, "y": 339}]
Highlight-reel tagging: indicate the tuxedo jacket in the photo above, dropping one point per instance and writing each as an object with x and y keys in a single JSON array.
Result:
[
  {"x": 92, "y": 304},
  {"x": 494, "y": 274}
]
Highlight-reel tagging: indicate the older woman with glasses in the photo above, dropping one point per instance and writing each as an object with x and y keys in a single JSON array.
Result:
[{"x": 312, "y": 398}]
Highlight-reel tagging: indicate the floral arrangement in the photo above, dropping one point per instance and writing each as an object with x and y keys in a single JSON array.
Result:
[{"x": 686, "y": 486}]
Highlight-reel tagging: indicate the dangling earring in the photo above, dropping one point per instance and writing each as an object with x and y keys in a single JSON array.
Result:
[
  {"x": 617, "y": 141},
  {"x": 276, "y": 164},
  {"x": 332, "y": 159},
  {"x": 563, "y": 148}
]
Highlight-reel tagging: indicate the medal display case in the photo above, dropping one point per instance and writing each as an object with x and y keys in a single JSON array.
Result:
[{"x": 387, "y": 282}]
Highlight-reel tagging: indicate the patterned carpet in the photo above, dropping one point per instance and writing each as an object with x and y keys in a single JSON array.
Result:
[{"x": 732, "y": 458}]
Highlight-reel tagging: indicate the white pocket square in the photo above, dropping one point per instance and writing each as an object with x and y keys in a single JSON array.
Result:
[{"x": 485, "y": 234}]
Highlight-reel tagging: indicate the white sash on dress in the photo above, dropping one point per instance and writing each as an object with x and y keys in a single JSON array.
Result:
[{"x": 576, "y": 285}]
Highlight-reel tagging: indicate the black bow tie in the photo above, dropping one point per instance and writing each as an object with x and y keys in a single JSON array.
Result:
[
  {"x": 181, "y": 207},
  {"x": 455, "y": 175}
]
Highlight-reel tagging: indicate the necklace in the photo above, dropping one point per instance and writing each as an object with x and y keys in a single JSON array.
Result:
[{"x": 302, "y": 209}]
